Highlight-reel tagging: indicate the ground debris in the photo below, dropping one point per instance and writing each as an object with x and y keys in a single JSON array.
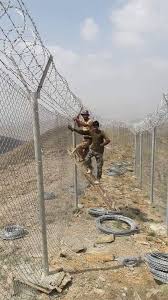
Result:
[
  {"x": 78, "y": 247},
  {"x": 67, "y": 253},
  {"x": 57, "y": 281},
  {"x": 105, "y": 239}
]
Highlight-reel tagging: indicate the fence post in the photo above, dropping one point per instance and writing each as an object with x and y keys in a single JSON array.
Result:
[
  {"x": 135, "y": 153},
  {"x": 153, "y": 163},
  {"x": 39, "y": 168},
  {"x": 40, "y": 185},
  {"x": 118, "y": 135},
  {"x": 75, "y": 169},
  {"x": 167, "y": 211},
  {"x": 112, "y": 137},
  {"x": 140, "y": 158}
]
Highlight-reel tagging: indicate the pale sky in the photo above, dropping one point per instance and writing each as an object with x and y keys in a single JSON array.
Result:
[{"x": 114, "y": 53}]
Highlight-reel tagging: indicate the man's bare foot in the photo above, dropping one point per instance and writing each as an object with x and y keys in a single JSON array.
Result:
[
  {"x": 97, "y": 181},
  {"x": 81, "y": 159},
  {"x": 89, "y": 171}
]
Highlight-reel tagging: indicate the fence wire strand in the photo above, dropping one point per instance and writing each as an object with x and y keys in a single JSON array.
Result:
[
  {"x": 23, "y": 60},
  {"x": 25, "y": 57}
]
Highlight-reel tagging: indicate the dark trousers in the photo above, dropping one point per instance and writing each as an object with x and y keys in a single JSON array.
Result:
[{"x": 99, "y": 161}]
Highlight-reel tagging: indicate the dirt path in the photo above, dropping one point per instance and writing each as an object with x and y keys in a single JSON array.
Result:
[{"x": 94, "y": 275}]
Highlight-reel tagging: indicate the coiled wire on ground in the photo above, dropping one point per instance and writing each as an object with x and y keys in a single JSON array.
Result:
[
  {"x": 12, "y": 232},
  {"x": 130, "y": 261},
  {"x": 133, "y": 227},
  {"x": 97, "y": 212},
  {"x": 158, "y": 265}
]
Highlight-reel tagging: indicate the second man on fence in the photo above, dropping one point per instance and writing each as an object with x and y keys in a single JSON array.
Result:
[{"x": 99, "y": 141}]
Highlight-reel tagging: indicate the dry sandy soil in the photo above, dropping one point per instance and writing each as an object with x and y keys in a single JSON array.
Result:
[{"x": 95, "y": 273}]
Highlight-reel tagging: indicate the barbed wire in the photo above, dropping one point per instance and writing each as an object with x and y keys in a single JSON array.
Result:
[
  {"x": 156, "y": 119},
  {"x": 151, "y": 121},
  {"x": 24, "y": 58},
  {"x": 24, "y": 55},
  {"x": 19, "y": 203}
]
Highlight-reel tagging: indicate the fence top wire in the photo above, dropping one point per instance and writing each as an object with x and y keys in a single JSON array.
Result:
[
  {"x": 16, "y": 113},
  {"x": 24, "y": 55},
  {"x": 156, "y": 119}
]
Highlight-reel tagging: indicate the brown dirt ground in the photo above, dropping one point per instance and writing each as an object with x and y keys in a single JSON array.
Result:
[
  {"x": 95, "y": 274},
  {"x": 103, "y": 279}
]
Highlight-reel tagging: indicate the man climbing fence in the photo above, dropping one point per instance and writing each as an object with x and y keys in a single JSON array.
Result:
[
  {"x": 83, "y": 148},
  {"x": 99, "y": 141}
]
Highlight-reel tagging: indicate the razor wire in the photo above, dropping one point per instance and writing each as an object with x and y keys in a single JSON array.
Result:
[
  {"x": 154, "y": 120},
  {"x": 149, "y": 146},
  {"x": 25, "y": 57},
  {"x": 151, "y": 157},
  {"x": 19, "y": 207}
]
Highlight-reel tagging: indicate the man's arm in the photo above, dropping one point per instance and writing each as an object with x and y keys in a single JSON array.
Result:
[
  {"x": 77, "y": 120},
  {"x": 106, "y": 140},
  {"x": 80, "y": 131}
]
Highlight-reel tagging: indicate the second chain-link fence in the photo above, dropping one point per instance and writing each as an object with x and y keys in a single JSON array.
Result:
[{"x": 151, "y": 166}]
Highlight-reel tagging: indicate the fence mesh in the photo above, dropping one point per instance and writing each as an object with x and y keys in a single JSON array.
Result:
[
  {"x": 146, "y": 161},
  {"x": 154, "y": 157},
  {"x": 18, "y": 184},
  {"x": 22, "y": 258},
  {"x": 19, "y": 205},
  {"x": 23, "y": 64},
  {"x": 25, "y": 57},
  {"x": 161, "y": 170}
]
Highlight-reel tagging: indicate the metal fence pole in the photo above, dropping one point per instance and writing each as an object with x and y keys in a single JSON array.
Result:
[
  {"x": 167, "y": 211},
  {"x": 39, "y": 168},
  {"x": 112, "y": 137},
  {"x": 118, "y": 135},
  {"x": 152, "y": 163},
  {"x": 135, "y": 153},
  {"x": 140, "y": 158},
  {"x": 40, "y": 185},
  {"x": 75, "y": 170}
]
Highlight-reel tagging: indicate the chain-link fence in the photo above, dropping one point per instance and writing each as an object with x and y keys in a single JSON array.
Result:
[
  {"x": 119, "y": 133},
  {"x": 18, "y": 187},
  {"x": 23, "y": 251},
  {"x": 38, "y": 181},
  {"x": 37, "y": 176},
  {"x": 151, "y": 166}
]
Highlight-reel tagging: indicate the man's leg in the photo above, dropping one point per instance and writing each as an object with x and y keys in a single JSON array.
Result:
[
  {"x": 99, "y": 161},
  {"x": 86, "y": 148},
  {"x": 80, "y": 150},
  {"x": 88, "y": 160}
]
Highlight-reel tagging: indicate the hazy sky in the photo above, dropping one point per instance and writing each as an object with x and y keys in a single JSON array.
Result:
[{"x": 114, "y": 53}]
